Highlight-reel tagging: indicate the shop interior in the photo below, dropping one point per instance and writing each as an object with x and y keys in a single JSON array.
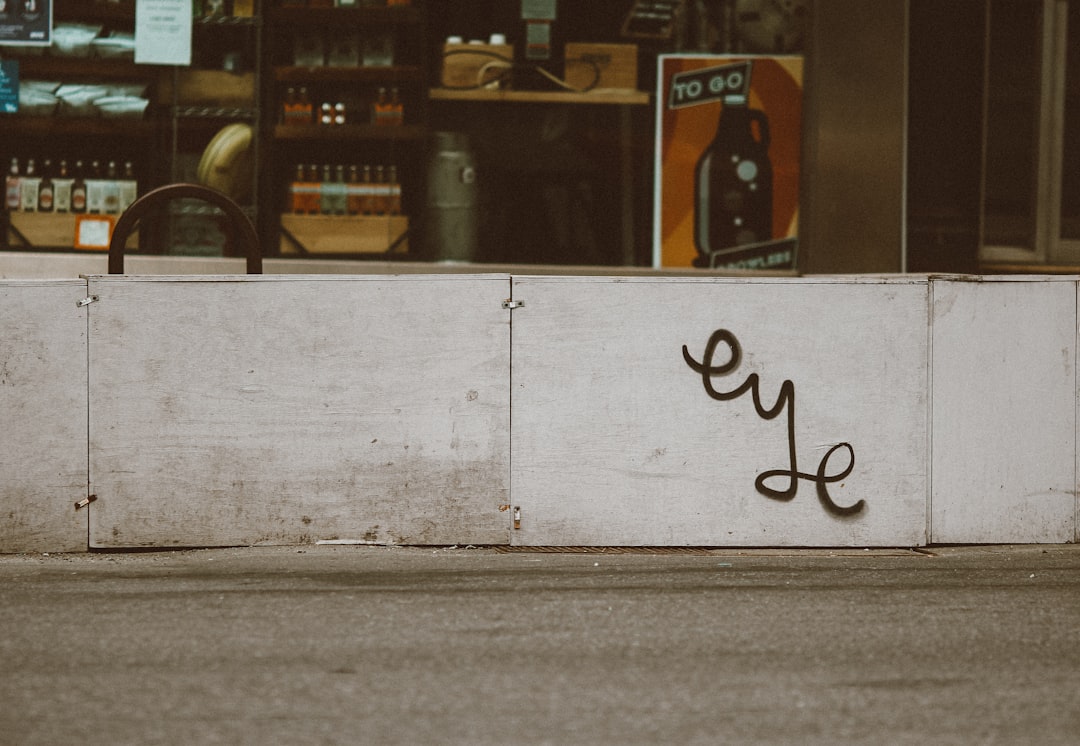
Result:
[
  {"x": 281, "y": 93},
  {"x": 524, "y": 131}
]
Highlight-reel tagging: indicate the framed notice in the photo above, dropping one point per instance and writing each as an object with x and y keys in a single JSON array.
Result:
[
  {"x": 94, "y": 232},
  {"x": 26, "y": 22},
  {"x": 729, "y": 133}
]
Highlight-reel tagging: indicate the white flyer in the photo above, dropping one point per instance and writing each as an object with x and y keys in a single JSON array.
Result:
[{"x": 163, "y": 32}]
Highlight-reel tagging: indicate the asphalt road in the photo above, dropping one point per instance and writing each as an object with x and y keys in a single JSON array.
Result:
[{"x": 376, "y": 645}]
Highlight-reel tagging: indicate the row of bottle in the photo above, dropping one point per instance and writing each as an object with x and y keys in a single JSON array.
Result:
[
  {"x": 345, "y": 190},
  {"x": 94, "y": 190},
  {"x": 298, "y": 109}
]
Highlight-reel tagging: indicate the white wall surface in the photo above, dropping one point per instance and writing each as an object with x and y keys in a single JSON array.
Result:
[
  {"x": 1004, "y": 415},
  {"x": 43, "y": 461},
  {"x": 273, "y": 410},
  {"x": 616, "y": 441}
]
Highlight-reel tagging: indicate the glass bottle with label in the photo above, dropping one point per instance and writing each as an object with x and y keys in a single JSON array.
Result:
[
  {"x": 62, "y": 189},
  {"x": 78, "y": 189},
  {"x": 13, "y": 197},
  {"x": 95, "y": 189},
  {"x": 110, "y": 190},
  {"x": 30, "y": 183},
  {"x": 393, "y": 205},
  {"x": 45, "y": 188}
]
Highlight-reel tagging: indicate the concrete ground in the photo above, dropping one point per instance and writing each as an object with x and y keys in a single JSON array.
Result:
[{"x": 377, "y": 645}]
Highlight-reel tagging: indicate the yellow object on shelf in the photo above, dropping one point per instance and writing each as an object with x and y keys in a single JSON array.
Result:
[{"x": 226, "y": 164}]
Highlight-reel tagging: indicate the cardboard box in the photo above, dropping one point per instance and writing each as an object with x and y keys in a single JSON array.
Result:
[
  {"x": 52, "y": 230},
  {"x": 344, "y": 234},
  {"x": 475, "y": 65},
  {"x": 208, "y": 88},
  {"x": 615, "y": 63}
]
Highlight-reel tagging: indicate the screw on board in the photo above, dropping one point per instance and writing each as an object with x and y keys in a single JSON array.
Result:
[{"x": 85, "y": 501}]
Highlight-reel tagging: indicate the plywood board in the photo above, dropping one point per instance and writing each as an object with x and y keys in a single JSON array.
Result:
[
  {"x": 616, "y": 441},
  {"x": 281, "y": 410},
  {"x": 1004, "y": 411},
  {"x": 43, "y": 463}
]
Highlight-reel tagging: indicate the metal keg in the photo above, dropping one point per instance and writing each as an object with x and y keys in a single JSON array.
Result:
[{"x": 450, "y": 224}]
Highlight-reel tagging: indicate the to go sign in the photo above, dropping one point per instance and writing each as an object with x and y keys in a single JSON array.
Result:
[{"x": 709, "y": 85}]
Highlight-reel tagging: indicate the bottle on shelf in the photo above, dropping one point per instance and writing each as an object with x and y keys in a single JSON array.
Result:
[
  {"x": 382, "y": 191},
  {"x": 78, "y": 189},
  {"x": 13, "y": 199},
  {"x": 354, "y": 193},
  {"x": 367, "y": 192},
  {"x": 380, "y": 109},
  {"x": 298, "y": 188},
  {"x": 312, "y": 203},
  {"x": 29, "y": 183},
  {"x": 393, "y": 206},
  {"x": 110, "y": 190},
  {"x": 305, "y": 109},
  {"x": 95, "y": 189},
  {"x": 128, "y": 186},
  {"x": 46, "y": 190},
  {"x": 62, "y": 189},
  {"x": 397, "y": 110},
  {"x": 289, "y": 106}
]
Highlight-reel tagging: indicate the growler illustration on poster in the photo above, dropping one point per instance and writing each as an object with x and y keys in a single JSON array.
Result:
[{"x": 727, "y": 161}]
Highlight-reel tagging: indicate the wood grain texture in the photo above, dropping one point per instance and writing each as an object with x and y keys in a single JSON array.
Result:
[
  {"x": 240, "y": 411},
  {"x": 1004, "y": 411},
  {"x": 615, "y": 440},
  {"x": 43, "y": 461}
]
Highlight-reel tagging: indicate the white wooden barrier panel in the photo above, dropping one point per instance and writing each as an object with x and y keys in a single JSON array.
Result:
[
  {"x": 282, "y": 410},
  {"x": 1004, "y": 414},
  {"x": 653, "y": 411},
  {"x": 288, "y": 409},
  {"x": 42, "y": 416}
]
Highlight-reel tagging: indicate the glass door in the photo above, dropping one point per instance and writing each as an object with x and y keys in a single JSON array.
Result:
[{"x": 1031, "y": 136}]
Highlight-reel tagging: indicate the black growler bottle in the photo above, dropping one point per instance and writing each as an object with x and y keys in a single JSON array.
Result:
[{"x": 733, "y": 183}]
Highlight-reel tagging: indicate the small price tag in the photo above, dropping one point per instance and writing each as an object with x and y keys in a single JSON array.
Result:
[{"x": 93, "y": 232}]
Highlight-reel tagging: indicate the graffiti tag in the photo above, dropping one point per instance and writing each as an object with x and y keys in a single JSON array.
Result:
[{"x": 784, "y": 402}]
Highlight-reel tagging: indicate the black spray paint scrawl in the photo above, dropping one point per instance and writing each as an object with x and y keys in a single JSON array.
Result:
[{"x": 785, "y": 401}]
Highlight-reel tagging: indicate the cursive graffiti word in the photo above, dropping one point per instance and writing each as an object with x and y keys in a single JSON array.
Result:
[{"x": 785, "y": 401}]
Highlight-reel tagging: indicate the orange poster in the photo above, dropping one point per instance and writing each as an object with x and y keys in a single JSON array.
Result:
[{"x": 727, "y": 161}]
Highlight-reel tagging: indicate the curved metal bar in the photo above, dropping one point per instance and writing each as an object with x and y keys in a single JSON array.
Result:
[{"x": 243, "y": 229}]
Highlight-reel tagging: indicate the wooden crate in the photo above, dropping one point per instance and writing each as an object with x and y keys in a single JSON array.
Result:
[
  {"x": 617, "y": 65},
  {"x": 214, "y": 88},
  {"x": 344, "y": 234},
  {"x": 48, "y": 230}
]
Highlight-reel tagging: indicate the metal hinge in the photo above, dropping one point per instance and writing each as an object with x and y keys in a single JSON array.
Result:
[
  {"x": 85, "y": 501},
  {"x": 510, "y": 304},
  {"x": 517, "y": 516},
  {"x": 87, "y": 301}
]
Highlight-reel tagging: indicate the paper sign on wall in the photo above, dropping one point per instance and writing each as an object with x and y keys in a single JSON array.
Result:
[
  {"x": 26, "y": 22},
  {"x": 727, "y": 161},
  {"x": 9, "y": 86},
  {"x": 163, "y": 32}
]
